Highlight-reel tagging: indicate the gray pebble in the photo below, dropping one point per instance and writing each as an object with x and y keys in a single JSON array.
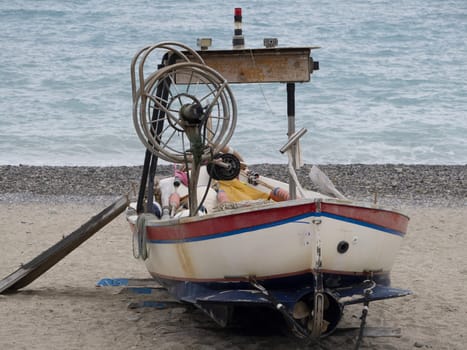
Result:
[{"x": 392, "y": 184}]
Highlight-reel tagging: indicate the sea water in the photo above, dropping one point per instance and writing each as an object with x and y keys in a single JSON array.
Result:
[{"x": 391, "y": 87}]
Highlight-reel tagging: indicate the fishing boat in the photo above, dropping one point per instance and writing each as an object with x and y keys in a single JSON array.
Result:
[{"x": 220, "y": 236}]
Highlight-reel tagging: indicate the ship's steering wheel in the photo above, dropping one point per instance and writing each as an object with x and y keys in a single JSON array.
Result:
[{"x": 184, "y": 112}]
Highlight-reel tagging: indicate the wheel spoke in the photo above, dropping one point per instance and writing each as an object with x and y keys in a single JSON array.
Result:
[
  {"x": 167, "y": 111},
  {"x": 165, "y": 144},
  {"x": 190, "y": 82}
]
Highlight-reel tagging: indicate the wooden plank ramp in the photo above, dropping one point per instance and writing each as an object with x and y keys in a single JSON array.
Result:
[{"x": 30, "y": 271}]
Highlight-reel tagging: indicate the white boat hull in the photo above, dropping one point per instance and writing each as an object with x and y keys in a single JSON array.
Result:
[{"x": 274, "y": 241}]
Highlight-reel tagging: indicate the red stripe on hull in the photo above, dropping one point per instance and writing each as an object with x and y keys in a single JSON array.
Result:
[
  {"x": 380, "y": 217},
  {"x": 228, "y": 223}
]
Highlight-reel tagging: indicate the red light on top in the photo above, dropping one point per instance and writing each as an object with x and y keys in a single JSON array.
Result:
[{"x": 238, "y": 11}]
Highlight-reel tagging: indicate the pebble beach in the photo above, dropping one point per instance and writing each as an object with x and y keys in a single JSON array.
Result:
[
  {"x": 426, "y": 185},
  {"x": 64, "y": 308}
]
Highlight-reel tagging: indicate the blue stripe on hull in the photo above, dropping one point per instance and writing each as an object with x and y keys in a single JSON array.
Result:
[{"x": 295, "y": 219}]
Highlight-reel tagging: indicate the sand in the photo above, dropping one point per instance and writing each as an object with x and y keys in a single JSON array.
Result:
[{"x": 64, "y": 309}]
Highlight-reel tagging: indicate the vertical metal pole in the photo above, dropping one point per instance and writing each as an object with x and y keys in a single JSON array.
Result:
[
  {"x": 150, "y": 160},
  {"x": 144, "y": 179},
  {"x": 290, "y": 132}
]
